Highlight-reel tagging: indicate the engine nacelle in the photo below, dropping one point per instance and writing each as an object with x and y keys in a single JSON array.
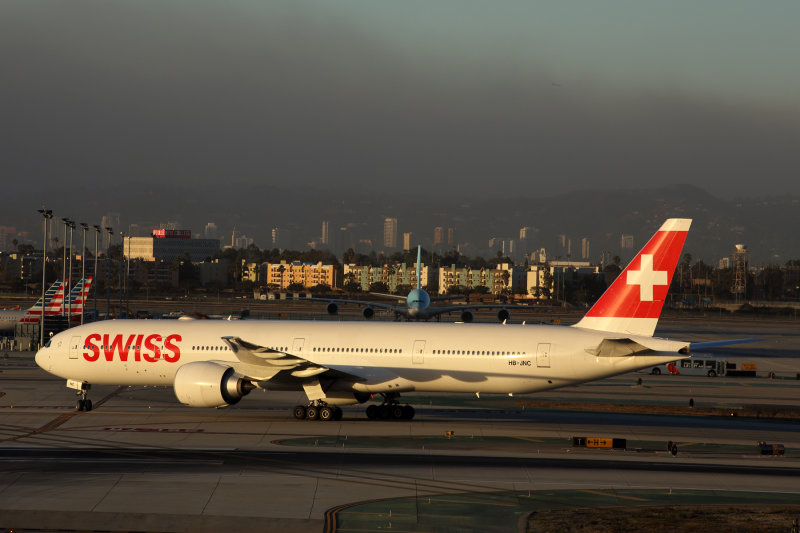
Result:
[
  {"x": 207, "y": 384},
  {"x": 368, "y": 312},
  {"x": 503, "y": 315},
  {"x": 467, "y": 316},
  {"x": 332, "y": 308}
]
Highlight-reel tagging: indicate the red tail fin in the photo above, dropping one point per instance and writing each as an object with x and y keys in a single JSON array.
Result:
[{"x": 632, "y": 304}]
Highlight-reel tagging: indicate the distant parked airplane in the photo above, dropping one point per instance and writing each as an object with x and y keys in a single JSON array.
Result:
[
  {"x": 418, "y": 304},
  {"x": 53, "y": 298}
]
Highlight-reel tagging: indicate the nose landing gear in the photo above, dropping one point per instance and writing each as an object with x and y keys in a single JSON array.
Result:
[{"x": 82, "y": 389}]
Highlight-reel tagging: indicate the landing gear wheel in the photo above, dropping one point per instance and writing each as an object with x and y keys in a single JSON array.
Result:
[
  {"x": 80, "y": 405},
  {"x": 326, "y": 413},
  {"x": 87, "y": 405},
  {"x": 372, "y": 412},
  {"x": 384, "y": 412},
  {"x": 312, "y": 412},
  {"x": 656, "y": 371},
  {"x": 300, "y": 412},
  {"x": 408, "y": 412},
  {"x": 337, "y": 413},
  {"x": 396, "y": 412}
]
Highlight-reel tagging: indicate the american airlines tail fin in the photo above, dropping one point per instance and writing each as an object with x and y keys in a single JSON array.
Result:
[
  {"x": 78, "y": 295},
  {"x": 53, "y": 298},
  {"x": 632, "y": 304}
]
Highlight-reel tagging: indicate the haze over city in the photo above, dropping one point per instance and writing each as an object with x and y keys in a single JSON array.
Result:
[{"x": 256, "y": 111}]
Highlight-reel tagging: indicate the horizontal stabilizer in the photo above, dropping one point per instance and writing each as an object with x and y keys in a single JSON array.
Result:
[
  {"x": 626, "y": 347},
  {"x": 713, "y": 344},
  {"x": 620, "y": 348}
]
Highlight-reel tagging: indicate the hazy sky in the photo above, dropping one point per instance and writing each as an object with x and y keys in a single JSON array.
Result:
[{"x": 495, "y": 98}]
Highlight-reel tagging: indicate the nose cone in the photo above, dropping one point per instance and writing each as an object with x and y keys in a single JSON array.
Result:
[
  {"x": 419, "y": 299},
  {"x": 43, "y": 358}
]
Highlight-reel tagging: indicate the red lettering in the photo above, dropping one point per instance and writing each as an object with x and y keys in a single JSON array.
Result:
[
  {"x": 89, "y": 344},
  {"x": 174, "y": 348},
  {"x": 149, "y": 345},
  {"x": 116, "y": 346},
  {"x": 147, "y": 348},
  {"x": 137, "y": 354}
]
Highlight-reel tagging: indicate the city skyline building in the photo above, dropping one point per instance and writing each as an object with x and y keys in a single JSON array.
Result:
[
  {"x": 407, "y": 238},
  {"x": 109, "y": 220},
  {"x": 390, "y": 233},
  {"x": 324, "y": 236}
]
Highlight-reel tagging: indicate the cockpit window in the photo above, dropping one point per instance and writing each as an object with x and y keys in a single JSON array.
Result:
[{"x": 47, "y": 344}]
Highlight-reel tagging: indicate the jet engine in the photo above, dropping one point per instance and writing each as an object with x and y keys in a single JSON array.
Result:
[
  {"x": 467, "y": 316},
  {"x": 332, "y": 308},
  {"x": 368, "y": 312},
  {"x": 503, "y": 314},
  {"x": 207, "y": 384}
]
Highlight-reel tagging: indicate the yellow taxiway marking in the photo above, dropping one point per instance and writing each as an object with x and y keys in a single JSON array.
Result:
[
  {"x": 611, "y": 495},
  {"x": 528, "y": 439}
]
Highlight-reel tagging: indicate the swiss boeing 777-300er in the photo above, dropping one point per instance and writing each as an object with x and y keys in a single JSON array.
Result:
[
  {"x": 417, "y": 305},
  {"x": 216, "y": 363}
]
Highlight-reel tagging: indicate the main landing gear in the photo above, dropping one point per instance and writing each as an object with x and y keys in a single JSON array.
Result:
[
  {"x": 390, "y": 409},
  {"x": 317, "y": 411}
]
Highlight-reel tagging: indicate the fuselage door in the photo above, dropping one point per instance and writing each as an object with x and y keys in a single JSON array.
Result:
[
  {"x": 297, "y": 347},
  {"x": 74, "y": 347},
  {"x": 543, "y": 355},
  {"x": 418, "y": 354}
]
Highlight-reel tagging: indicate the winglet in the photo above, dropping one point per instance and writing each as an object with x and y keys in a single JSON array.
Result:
[{"x": 633, "y": 303}]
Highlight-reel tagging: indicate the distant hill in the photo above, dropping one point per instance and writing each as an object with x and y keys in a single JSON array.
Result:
[{"x": 767, "y": 225}]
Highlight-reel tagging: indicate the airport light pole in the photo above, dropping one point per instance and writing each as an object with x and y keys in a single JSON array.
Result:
[
  {"x": 128, "y": 277},
  {"x": 108, "y": 273},
  {"x": 68, "y": 294},
  {"x": 64, "y": 267},
  {"x": 84, "y": 227},
  {"x": 121, "y": 258},
  {"x": 47, "y": 214},
  {"x": 96, "y": 242}
]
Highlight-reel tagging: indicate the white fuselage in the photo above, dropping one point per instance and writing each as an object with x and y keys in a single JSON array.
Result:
[
  {"x": 9, "y": 318},
  {"x": 393, "y": 357}
]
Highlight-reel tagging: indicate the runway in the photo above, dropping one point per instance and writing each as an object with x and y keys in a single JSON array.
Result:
[{"x": 141, "y": 461}]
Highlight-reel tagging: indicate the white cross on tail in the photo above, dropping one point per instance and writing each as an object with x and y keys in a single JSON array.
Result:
[{"x": 646, "y": 278}]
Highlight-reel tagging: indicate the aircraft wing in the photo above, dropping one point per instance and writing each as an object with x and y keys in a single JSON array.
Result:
[
  {"x": 402, "y": 309},
  {"x": 262, "y": 363},
  {"x": 437, "y": 310}
]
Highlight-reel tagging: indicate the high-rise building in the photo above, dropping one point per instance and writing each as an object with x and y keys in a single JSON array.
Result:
[
  {"x": 168, "y": 245},
  {"x": 211, "y": 231},
  {"x": 438, "y": 235},
  {"x": 390, "y": 233},
  {"x": 626, "y": 242},
  {"x": 7, "y": 235},
  {"x": 451, "y": 236},
  {"x": 407, "y": 237},
  {"x": 111, "y": 220},
  {"x": 324, "y": 237},
  {"x": 584, "y": 248}
]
